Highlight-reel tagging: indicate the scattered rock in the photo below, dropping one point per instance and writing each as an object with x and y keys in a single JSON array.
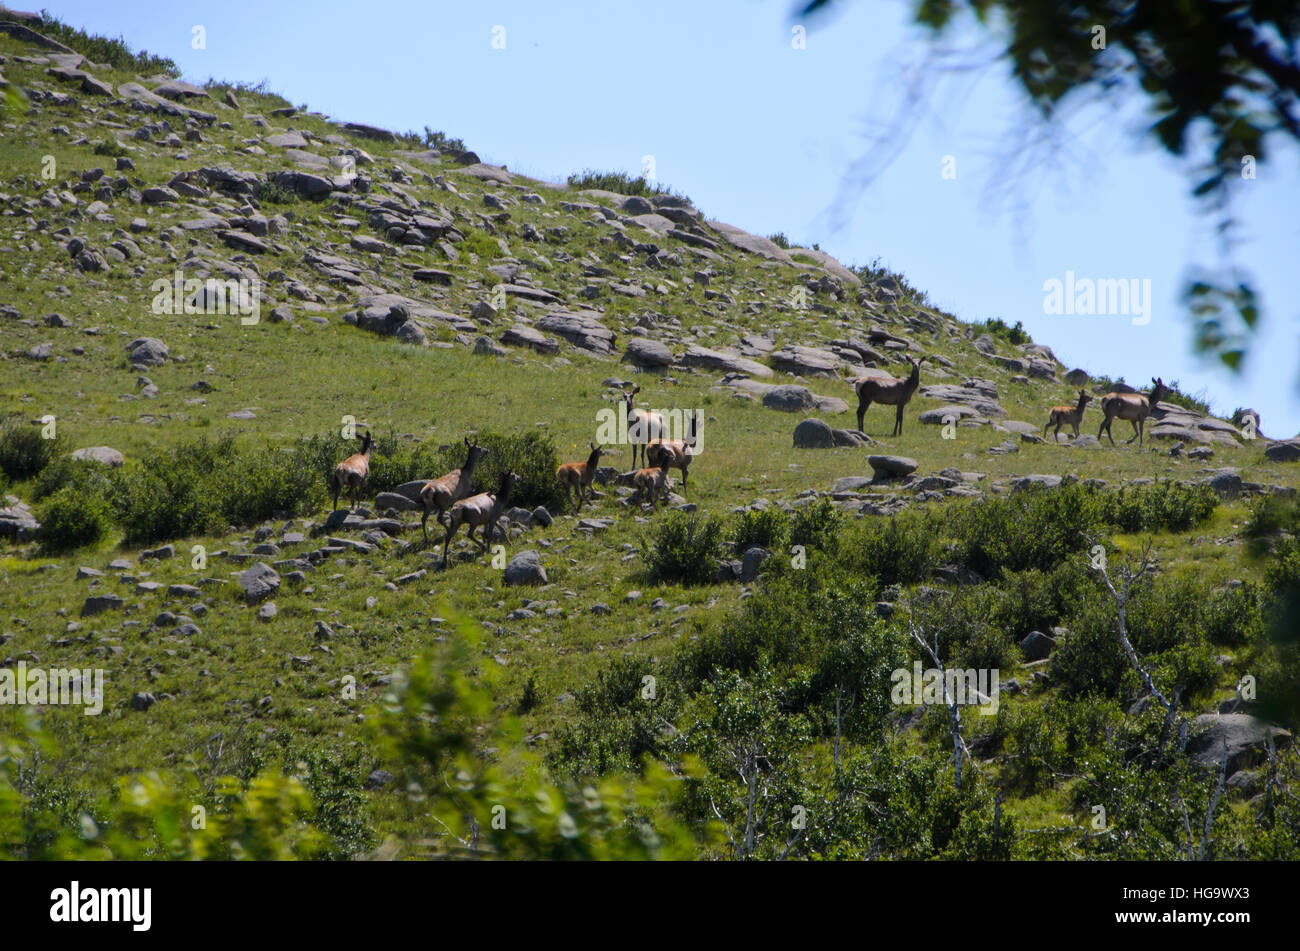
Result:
[{"x": 525, "y": 568}]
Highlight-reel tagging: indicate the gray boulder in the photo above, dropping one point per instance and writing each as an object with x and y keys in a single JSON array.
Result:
[
  {"x": 813, "y": 433},
  {"x": 525, "y": 568},
  {"x": 148, "y": 351},
  {"x": 1246, "y": 738},
  {"x": 650, "y": 354},
  {"x": 751, "y": 563},
  {"x": 891, "y": 467},
  {"x": 789, "y": 399},
  {"x": 259, "y": 582}
]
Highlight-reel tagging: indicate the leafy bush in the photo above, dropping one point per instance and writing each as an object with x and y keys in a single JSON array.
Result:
[
  {"x": 900, "y": 550},
  {"x": 816, "y": 525},
  {"x": 1035, "y": 747},
  {"x": 767, "y": 528},
  {"x": 110, "y": 148},
  {"x": 101, "y": 49},
  {"x": 70, "y": 520},
  {"x": 24, "y": 452},
  {"x": 533, "y": 458},
  {"x": 1034, "y": 527},
  {"x": 684, "y": 549},
  {"x": 997, "y": 327},
  {"x": 268, "y": 192},
  {"x": 1091, "y": 661},
  {"x": 85, "y": 476},
  {"x": 780, "y": 240},
  {"x": 1168, "y": 506},
  {"x": 620, "y": 182},
  {"x": 617, "y": 726},
  {"x": 876, "y": 272},
  {"x": 200, "y": 487},
  {"x": 1270, "y": 514}
]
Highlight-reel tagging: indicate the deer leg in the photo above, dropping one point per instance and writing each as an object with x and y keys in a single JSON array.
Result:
[
  {"x": 1105, "y": 427},
  {"x": 898, "y": 420},
  {"x": 446, "y": 542},
  {"x": 1136, "y": 431},
  {"x": 685, "y": 465},
  {"x": 863, "y": 406},
  {"x": 424, "y": 524},
  {"x": 334, "y": 484}
]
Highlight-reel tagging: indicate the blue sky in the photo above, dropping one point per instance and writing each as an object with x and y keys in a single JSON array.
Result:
[{"x": 760, "y": 134}]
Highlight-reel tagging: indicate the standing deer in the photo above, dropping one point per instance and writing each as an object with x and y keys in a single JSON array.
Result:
[
  {"x": 1135, "y": 407},
  {"x": 580, "y": 475},
  {"x": 643, "y": 426},
  {"x": 651, "y": 482},
  {"x": 442, "y": 493},
  {"x": 1067, "y": 416},
  {"x": 483, "y": 509},
  {"x": 893, "y": 392},
  {"x": 351, "y": 473},
  {"x": 674, "y": 453}
]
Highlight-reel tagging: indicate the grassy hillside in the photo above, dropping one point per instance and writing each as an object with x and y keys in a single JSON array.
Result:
[{"x": 632, "y": 704}]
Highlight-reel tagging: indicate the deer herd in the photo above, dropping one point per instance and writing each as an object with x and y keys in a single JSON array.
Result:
[{"x": 452, "y": 495}]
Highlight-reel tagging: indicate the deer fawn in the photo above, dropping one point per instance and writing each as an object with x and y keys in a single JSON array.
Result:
[
  {"x": 1067, "y": 416},
  {"x": 579, "y": 476},
  {"x": 674, "y": 453},
  {"x": 651, "y": 483}
]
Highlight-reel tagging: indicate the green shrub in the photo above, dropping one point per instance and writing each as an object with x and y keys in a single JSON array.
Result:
[
  {"x": 1164, "y": 506},
  {"x": 780, "y": 240},
  {"x": 82, "y": 475},
  {"x": 684, "y": 549},
  {"x": 997, "y": 327},
  {"x": 618, "y": 726},
  {"x": 201, "y": 487},
  {"x": 70, "y": 520},
  {"x": 816, "y": 525},
  {"x": 110, "y": 148},
  {"x": 767, "y": 528},
  {"x": 111, "y": 52},
  {"x": 899, "y": 550},
  {"x": 1035, "y": 747},
  {"x": 24, "y": 451},
  {"x": 1091, "y": 661},
  {"x": 620, "y": 182},
  {"x": 1270, "y": 514},
  {"x": 531, "y": 455},
  {"x": 1034, "y": 527}
]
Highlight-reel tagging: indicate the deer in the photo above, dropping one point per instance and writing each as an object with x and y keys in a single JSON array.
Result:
[
  {"x": 351, "y": 473},
  {"x": 650, "y": 482},
  {"x": 444, "y": 492},
  {"x": 894, "y": 392},
  {"x": 1135, "y": 407},
  {"x": 643, "y": 427},
  {"x": 674, "y": 453},
  {"x": 1067, "y": 416},
  {"x": 483, "y": 509},
  {"x": 580, "y": 475}
]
